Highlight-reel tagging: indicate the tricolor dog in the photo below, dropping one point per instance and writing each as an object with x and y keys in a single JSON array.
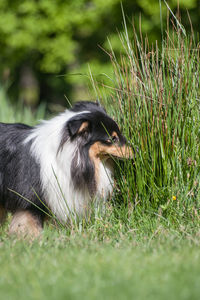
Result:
[{"x": 60, "y": 165}]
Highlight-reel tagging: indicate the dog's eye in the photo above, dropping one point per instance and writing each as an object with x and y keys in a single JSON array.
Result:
[{"x": 112, "y": 140}]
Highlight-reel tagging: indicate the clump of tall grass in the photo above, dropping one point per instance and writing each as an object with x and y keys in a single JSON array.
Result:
[{"x": 155, "y": 96}]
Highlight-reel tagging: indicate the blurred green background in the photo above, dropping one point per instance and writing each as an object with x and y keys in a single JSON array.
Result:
[{"x": 47, "y": 47}]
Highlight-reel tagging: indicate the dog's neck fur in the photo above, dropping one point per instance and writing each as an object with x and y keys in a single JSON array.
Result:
[{"x": 62, "y": 198}]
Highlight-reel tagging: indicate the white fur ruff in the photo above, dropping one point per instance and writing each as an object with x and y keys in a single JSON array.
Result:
[{"x": 55, "y": 169}]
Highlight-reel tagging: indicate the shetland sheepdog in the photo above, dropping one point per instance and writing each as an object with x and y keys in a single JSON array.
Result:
[{"x": 60, "y": 164}]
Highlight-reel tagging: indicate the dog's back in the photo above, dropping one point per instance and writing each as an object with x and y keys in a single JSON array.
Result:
[
  {"x": 10, "y": 137},
  {"x": 18, "y": 170}
]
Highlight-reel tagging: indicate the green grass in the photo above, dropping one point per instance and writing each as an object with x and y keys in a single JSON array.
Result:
[
  {"x": 155, "y": 97},
  {"x": 159, "y": 265},
  {"x": 146, "y": 243}
]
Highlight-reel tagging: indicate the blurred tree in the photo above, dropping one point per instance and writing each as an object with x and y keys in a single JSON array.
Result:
[{"x": 43, "y": 39}]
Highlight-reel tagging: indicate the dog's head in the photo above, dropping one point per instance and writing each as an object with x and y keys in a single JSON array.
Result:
[
  {"x": 95, "y": 137},
  {"x": 94, "y": 130}
]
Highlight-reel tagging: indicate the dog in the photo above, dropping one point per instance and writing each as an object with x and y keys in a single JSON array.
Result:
[{"x": 58, "y": 166}]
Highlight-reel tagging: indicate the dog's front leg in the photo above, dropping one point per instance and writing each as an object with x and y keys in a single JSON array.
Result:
[{"x": 26, "y": 224}]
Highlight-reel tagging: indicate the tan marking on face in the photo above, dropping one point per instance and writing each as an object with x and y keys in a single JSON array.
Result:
[
  {"x": 95, "y": 159},
  {"x": 83, "y": 127},
  {"x": 114, "y": 134},
  {"x": 24, "y": 224},
  {"x": 99, "y": 151},
  {"x": 3, "y": 214}
]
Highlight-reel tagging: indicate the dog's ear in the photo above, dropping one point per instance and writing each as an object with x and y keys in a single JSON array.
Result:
[{"x": 77, "y": 127}]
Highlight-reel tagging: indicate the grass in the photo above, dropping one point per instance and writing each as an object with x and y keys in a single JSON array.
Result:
[
  {"x": 160, "y": 265},
  {"x": 146, "y": 243},
  {"x": 155, "y": 96},
  {"x": 18, "y": 113}
]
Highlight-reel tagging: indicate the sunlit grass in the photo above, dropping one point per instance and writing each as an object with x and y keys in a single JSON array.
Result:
[{"x": 155, "y": 97}]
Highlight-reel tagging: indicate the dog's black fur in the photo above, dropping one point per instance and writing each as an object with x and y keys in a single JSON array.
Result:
[{"x": 19, "y": 172}]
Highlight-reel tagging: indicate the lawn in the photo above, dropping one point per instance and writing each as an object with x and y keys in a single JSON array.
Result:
[
  {"x": 161, "y": 265},
  {"x": 146, "y": 243}
]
